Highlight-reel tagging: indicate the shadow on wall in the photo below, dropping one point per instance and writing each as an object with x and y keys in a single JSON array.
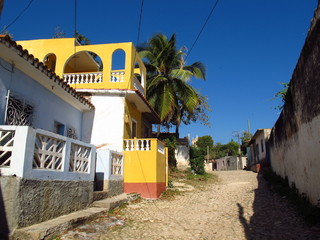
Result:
[
  {"x": 4, "y": 229},
  {"x": 273, "y": 217}
]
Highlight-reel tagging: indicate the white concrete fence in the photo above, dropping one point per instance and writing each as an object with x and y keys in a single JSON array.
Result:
[
  {"x": 38, "y": 154},
  {"x": 109, "y": 165}
]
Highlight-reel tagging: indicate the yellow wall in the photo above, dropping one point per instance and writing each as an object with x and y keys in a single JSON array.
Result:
[
  {"x": 134, "y": 113},
  {"x": 145, "y": 166},
  {"x": 64, "y": 48}
]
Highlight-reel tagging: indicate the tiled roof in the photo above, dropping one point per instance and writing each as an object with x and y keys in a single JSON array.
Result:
[{"x": 7, "y": 41}]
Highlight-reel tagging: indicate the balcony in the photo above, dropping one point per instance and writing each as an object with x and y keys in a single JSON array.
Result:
[
  {"x": 38, "y": 154},
  {"x": 95, "y": 79},
  {"x": 145, "y": 167}
]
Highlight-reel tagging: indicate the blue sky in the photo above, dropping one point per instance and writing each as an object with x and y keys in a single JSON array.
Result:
[{"x": 249, "y": 47}]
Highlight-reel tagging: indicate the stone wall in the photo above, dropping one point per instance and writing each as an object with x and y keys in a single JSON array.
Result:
[
  {"x": 295, "y": 138},
  {"x": 27, "y": 202}
]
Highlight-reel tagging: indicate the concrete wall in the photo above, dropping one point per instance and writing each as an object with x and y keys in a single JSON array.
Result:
[
  {"x": 145, "y": 170},
  {"x": 48, "y": 107},
  {"x": 294, "y": 141},
  {"x": 230, "y": 163},
  {"x": 108, "y": 125},
  {"x": 29, "y": 202},
  {"x": 182, "y": 155},
  {"x": 105, "y": 181}
]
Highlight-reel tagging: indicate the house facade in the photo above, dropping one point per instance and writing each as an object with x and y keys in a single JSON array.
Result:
[
  {"x": 113, "y": 77},
  {"x": 257, "y": 149},
  {"x": 228, "y": 163},
  {"x": 47, "y": 163}
]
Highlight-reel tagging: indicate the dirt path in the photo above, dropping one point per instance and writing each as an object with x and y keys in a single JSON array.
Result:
[{"x": 239, "y": 206}]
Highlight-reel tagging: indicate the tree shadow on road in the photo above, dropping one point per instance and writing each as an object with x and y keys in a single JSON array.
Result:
[{"x": 273, "y": 217}]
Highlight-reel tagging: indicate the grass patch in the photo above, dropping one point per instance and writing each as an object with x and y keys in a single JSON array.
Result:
[
  {"x": 170, "y": 194},
  {"x": 118, "y": 210},
  {"x": 309, "y": 212},
  {"x": 201, "y": 181},
  {"x": 192, "y": 179}
]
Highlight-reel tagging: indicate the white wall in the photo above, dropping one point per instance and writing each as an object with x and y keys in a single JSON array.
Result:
[
  {"x": 182, "y": 155},
  {"x": 298, "y": 159},
  {"x": 108, "y": 125},
  {"x": 48, "y": 107}
]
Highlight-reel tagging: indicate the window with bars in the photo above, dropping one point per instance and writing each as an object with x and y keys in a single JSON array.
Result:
[{"x": 18, "y": 112}]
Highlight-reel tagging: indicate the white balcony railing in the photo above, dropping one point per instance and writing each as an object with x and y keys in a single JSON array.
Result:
[
  {"x": 117, "y": 76},
  {"x": 38, "y": 154},
  {"x": 81, "y": 78},
  {"x": 138, "y": 86},
  {"x": 137, "y": 144}
]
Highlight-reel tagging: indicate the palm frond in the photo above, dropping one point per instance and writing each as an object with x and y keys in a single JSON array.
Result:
[{"x": 198, "y": 69}]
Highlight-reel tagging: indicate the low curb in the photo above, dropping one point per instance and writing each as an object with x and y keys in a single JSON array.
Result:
[{"x": 56, "y": 226}]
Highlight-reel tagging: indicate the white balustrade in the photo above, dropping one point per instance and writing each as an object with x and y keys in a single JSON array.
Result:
[
  {"x": 137, "y": 145},
  {"x": 117, "y": 76},
  {"x": 81, "y": 78}
]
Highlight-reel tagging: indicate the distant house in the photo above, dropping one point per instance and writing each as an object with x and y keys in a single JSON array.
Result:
[
  {"x": 182, "y": 152},
  {"x": 46, "y": 162},
  {"x": 113, "y": 77},
  {"x": 257, "y": 149},
  {"x": 228, "y": 163}
]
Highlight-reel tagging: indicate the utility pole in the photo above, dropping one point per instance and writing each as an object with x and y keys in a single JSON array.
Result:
[
  {"x": 248, "y": 126},
  {"x": 237, "y": 134}
]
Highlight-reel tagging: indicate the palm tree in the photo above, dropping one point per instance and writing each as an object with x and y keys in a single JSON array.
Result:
[{"x": 168, "y": 88}]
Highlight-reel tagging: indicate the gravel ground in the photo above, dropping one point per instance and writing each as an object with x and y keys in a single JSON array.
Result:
[{"x": 239, "y": 206}]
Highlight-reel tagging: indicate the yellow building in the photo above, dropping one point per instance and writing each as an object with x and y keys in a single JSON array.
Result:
[{"x": 113, "y": 77}]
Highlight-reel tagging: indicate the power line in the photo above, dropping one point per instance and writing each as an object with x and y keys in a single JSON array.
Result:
[
  {"x": 140, "y": 20},
  {"x": 205, "y": 23},
  {"x": 20, "y": 14}
]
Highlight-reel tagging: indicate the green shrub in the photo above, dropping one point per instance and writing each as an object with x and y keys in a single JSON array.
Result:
[
  {"x": 197, "y": 165},
  {"x": 171, "y": 143}
]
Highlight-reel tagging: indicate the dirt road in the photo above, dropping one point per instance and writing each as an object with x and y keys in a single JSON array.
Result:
[{"x": 239, "y": 206}]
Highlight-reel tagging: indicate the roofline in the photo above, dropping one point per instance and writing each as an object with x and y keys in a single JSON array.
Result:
[
  {"x": 256, "y": 134},
  {"x": 119, "y": 91},
  {"x": 23, "y": 53}
]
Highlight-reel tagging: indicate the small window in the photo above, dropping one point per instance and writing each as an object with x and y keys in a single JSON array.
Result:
[
  {"x": 262, "y": 147},
  {"x": 134, "y": 129},
  {"x": 58, "y": 128}
]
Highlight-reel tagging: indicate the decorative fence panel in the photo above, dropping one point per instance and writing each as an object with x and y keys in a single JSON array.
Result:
[
  {"x": 38, "y": 154},
  {"x": 79, "y": 158},
  {"x": 116, "y": 163},
  {"x": 6, "y": 147},
  {"x": 48, "y": 152}
]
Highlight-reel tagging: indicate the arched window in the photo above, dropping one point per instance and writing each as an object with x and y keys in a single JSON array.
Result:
[
  {"x": 50, "y": 61},
  {"x": 118, "y": 60},
  {"x": 83, "y": 67},
  {"x": 82, "y": 62}
]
